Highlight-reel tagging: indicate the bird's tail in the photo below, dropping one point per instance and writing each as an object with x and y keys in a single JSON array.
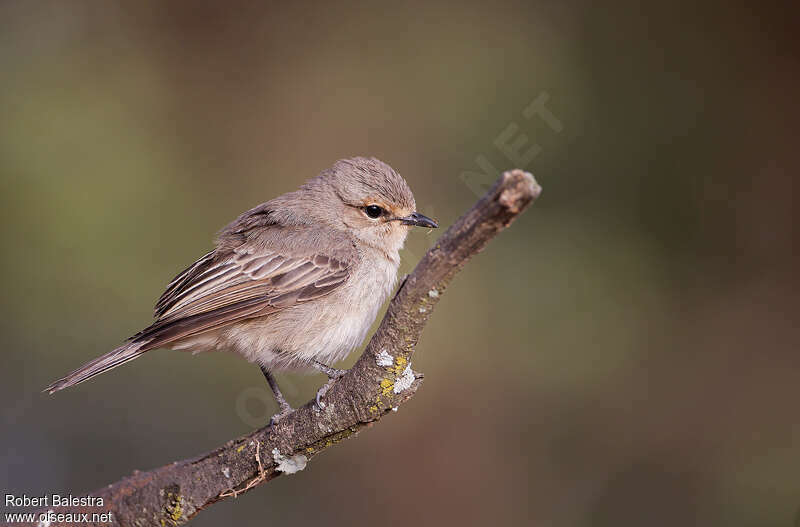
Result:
[{"x": 127, "y": 352}]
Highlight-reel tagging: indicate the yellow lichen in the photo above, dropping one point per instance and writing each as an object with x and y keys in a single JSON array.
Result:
[
  {"x": 400, "y": 365},
  {"x": 333, "y": 439},
  {"x": 238, "y": 450},
  {"x": 386, "y": 386},
  {"x": 177, "y": 511},
  {"x": 373, "y": 409},
  {"x": 174, "y": 508}
]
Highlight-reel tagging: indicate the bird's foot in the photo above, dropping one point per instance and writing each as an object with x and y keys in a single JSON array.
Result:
[
  {"x": 333, "y": 375},
  {"x": 285, "y": 410},
  {"x": 284, "y": 405}
]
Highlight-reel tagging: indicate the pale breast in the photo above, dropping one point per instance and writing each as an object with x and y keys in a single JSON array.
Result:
[{"x": 326, "y": 329}]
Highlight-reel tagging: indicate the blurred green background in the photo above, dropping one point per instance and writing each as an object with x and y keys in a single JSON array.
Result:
[{"x": 626, "y": 354}]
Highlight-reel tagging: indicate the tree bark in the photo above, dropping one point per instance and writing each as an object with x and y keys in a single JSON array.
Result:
[{"x": 381, "y": 380}]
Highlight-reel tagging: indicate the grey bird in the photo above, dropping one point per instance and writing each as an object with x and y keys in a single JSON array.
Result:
[{"x": 292, "y": 284}]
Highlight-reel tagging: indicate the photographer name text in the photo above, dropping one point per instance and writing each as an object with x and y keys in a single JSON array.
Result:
[{"x": 52, "y": 500}]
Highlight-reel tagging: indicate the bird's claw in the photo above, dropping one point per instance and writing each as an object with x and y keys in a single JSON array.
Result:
[
  {"x": 333, "y": 376},
  {"x": 285, "y": 410},
  {"x": 322, "y": 391}
]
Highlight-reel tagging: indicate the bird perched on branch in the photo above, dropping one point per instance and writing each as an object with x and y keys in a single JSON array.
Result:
[{"x": 292, "y": 284}]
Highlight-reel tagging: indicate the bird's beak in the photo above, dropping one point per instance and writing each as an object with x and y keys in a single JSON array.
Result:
[{"x": 415, "y": 218}]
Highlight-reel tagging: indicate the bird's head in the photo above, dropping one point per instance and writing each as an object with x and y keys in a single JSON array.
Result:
[
  {"x": 363, "y": 197},
  {"x": 371, "y": 201}
]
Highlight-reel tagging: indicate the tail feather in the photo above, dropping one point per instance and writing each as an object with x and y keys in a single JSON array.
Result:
[{"x": 112, "y": 359}]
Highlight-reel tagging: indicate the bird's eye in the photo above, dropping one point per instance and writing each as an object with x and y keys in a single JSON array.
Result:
[{"x": 373, "y": 211}]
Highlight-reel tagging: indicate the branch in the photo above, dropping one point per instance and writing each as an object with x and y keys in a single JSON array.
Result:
[{"x": 382, "y": 379}]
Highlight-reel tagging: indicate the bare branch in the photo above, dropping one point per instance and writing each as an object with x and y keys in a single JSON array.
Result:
[{"x": 381, "y": 380}]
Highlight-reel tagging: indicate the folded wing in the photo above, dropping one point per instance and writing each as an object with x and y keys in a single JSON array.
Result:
[{"x": 214, "y": 291}]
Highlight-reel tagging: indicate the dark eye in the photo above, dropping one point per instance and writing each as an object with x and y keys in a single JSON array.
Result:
[{"x": 373, "y": 211}]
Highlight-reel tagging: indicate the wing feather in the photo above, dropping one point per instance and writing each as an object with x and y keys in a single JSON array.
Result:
[{"x": 217, "y": 290}]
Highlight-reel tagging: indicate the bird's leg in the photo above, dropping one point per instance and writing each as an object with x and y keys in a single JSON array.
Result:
[
  {"x": 286, "y": 408},
  {"x": 332, "y": 373}
]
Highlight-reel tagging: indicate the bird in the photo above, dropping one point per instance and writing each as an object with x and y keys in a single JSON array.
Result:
[{"x": 293, "y": 284}]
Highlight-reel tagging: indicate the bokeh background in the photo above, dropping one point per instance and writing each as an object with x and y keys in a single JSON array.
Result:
[{"x": 626, "y": 354}]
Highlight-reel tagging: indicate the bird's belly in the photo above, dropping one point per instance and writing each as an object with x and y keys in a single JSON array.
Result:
[{"x": 325, "y": 330}]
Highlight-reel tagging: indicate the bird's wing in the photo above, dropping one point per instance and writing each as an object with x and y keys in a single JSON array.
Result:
[{"x": 244, "y": 283}]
